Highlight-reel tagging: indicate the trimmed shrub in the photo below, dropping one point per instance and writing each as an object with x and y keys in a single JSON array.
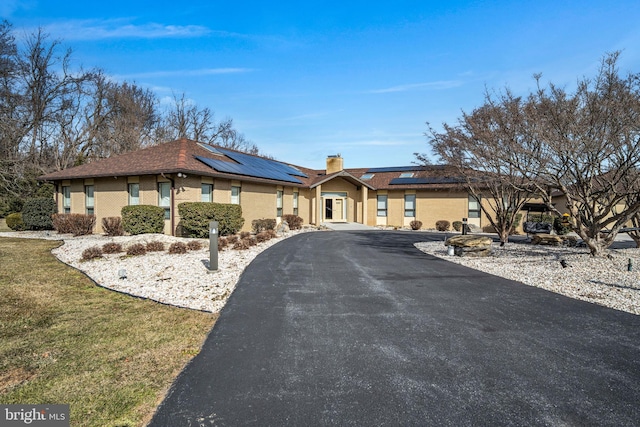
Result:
[
  {"x": 196, "y": 217},
  {"x": 272, "y": 233},
  {"x": 14, "y": 221},
  {"x": 457, "y": 225},
  {"x": 91, "y": 253},
  {"x": 415, "y": 224},
  {"x": 155, "y": 246},
  {"x": 294, "y": 221},
  {"x": 245, "y": 234},
  {"x": 263, "y": 237},
  {"x": 36, "y": 213},
  {"x": 194, "y": 245},
  {"x": 241, "y": 245},
  {"x": 76, "y": 224},
  {"x": 143, "y": 219},
  {"x": 137, "y": 249},
  {"x": 259, "y": 225},
  {"x": 443, "y": 225},
  {"x": 177, "y": 248},
  {"x": 222, "y": 243},
  {"x": 232, "y": 239},
  {"x": 540, "y": 217},
  {"x": 111, "y": 248},
  {"x": 112, "y": 226},
  {"x": 562, "y": 226},
  {"x": 251, "y": 240}
]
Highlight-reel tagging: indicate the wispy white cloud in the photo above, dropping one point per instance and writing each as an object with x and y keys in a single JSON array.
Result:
[
  {"x": 437, "y": 85},
  {"x": 184, "y": 73},
  {"x": 93, "y": 29},
  {"x": 8, "y": 7}
]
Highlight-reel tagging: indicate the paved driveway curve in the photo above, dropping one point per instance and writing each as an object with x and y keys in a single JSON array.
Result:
[{"x": 340, "y": 328}]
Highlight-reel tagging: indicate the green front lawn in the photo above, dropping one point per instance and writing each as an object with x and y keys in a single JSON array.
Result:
[{"x": 65, "y": 340}]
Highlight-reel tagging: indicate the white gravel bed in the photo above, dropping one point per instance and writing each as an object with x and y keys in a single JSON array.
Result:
[
  {"x": 182, "y": 280},
  {"x": 602, "y": 280}
]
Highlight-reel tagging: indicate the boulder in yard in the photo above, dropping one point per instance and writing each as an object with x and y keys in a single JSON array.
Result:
[
  {"x": 469, "y": 241},
  {"x": 470, "y": 245},
  {"x": 546, "y": 239}
]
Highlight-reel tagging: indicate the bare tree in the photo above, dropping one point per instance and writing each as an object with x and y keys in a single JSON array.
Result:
[
  {"x": 186, "y": 120},
  {"x": 481, "y": 148},
  {"x": 588, "y": 147}
]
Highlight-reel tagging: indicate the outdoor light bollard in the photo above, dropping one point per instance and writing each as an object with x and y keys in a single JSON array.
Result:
[
  {"x": 630, "y": 265},
  {"x": 213, "y": 246},
  {"x": 464, "y": 226}
]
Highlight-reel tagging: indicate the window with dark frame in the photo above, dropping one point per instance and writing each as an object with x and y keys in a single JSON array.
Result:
[
  {"x": 89, "y": 199},
  {"x": 382, "y": 205}
]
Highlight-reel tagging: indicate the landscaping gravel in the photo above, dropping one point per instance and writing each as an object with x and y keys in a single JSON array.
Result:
[
  {"x": 182, "y": 280},
  {"x": 602, "y": 280}
]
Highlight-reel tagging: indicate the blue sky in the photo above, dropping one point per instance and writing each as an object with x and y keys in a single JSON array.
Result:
[{"x": 307, "y": 79}]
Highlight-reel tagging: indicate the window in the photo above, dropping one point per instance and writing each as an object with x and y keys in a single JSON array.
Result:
[
  {"x": 410, "y": 205},
  {"x": 367, "y": 176},
  {"x": 88, "y": 199},
  {"x": 206, "y": 193},
  {"x": 279, "y": 203},
  {"x": 235, "y": 195},
  {"x": 474, "y": 207},
  {"x": 295, "y": 203},
  {"x": 406, "y": 175},
  {"x": 134, "y": 194},
  {"x": 382, "y": 205},
  {"x": 164, "y": 198},
  {"x": 66, "y": 199}
]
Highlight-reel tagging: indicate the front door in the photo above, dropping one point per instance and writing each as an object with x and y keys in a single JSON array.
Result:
[{"x": 333, "y": 209}]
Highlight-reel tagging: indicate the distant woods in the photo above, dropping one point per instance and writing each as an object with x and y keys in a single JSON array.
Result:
[{"x": 53, "y": 116}]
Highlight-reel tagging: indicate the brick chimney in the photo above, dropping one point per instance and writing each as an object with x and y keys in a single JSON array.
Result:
[{"x": 334, "y": 164}]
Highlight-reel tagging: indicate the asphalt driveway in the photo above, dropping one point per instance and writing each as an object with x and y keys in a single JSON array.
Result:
[{"x": 361, "y": 328}]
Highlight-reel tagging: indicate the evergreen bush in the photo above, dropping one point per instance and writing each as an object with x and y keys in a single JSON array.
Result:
[
  {"x": 457, "y": 225},
  {"x": 196, "y": 216},
  {"x": 36, "y": 213},
  {"x": 14, "y": 221},
  {"x": 143, "y": 219}
]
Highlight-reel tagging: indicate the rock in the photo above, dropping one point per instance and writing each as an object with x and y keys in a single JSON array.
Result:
[
  {"x": 546, "y": 239},
  {"x": 569, "y": 240},
  {"x": 469, "y": 241},
  {"x": 470, "y": 245},
  {"x": 283, "y": 227}
]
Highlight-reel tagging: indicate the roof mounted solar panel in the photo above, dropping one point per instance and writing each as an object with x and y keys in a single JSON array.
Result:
[
  {"x": 413, "y": 168},
  {"x": 259, "y": 162},
  {"x": 432, "y": 180},
  {"x": 247, "y": 170}
]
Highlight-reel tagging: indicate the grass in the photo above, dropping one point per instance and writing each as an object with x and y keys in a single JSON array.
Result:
[{"x": 63, "y": 339}]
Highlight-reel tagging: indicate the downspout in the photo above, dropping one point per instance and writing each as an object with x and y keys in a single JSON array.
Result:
[
  {"x": 173, "y": 206},
  {"x": 172, "y": 203}
]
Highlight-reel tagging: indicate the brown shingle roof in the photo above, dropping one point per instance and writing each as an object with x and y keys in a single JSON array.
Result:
[{"x": 180, "y": 156}]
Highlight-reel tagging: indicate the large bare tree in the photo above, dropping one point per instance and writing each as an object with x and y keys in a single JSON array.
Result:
[
  {"x": 480, "y": 147},
  {"x": 587, "y": 144}
]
